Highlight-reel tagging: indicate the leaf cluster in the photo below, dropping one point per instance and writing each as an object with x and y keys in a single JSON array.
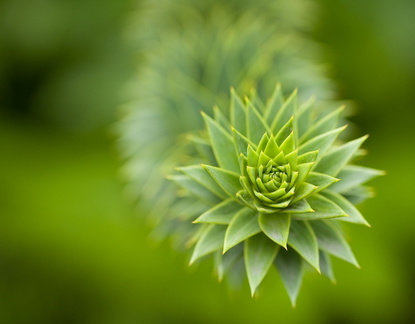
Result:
[{"x": 276, "y": 188}]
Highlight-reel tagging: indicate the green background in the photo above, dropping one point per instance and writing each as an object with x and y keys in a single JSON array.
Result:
[{"x": 72, "y": 249}]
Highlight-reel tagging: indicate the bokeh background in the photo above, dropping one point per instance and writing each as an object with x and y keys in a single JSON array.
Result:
[{"x": 72, "y": 248}]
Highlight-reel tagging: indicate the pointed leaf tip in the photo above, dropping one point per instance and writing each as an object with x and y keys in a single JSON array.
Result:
[
  {"x": 227, "y": 180},
  {"x": 210, "y": 240},
  {"x": 334, "y": 161},
  {"x": 198, "y": 174},
  {"x": 243, "y": 225},
  {"x": 222, "y": 213},
  {"x": 303, "y": 240},
  {"x": 256, "y": 126},
  {"x": 290, "y": 268},
  {"x": 354, "y": 215},
  {"x": 326, "y": 267},
  {"x": 331, "y": 240},
  {"x": 276, "y": 227},
  {"x": 259, "y": 253},
  {"x": 222, "y": 145}
]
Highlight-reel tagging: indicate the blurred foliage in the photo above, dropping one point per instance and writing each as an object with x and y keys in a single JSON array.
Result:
[
  {"x": 71, "y": 251},
  {"x": 63, "y": 61}
]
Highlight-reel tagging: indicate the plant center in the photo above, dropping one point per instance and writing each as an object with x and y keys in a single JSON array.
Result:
[{"x": 274, "y": 173}]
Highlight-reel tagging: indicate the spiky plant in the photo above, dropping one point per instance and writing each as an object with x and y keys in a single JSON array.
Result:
[
  {"x": 274, "y": 185},
  {"x": 192, "y": 53}
]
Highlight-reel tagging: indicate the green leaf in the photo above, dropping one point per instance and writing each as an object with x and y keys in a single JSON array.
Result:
[
  {"x": 210, "y": 241},
  {"x": 194, "y": 188},
  {"x": 238, "y": 276},
  {"x": 321, "y": 142},
  {"x": 323, "y": 125},
  {"x": 267, "y": 209},
  {"x": 308, "y": 157},
  {"x": 303, "y": 171},
  {"x": 304, "y": 190},
  {"x": 246, "y": 197},
  {"x": 285, "y": 131},
  {"x": 292, "y": 159},
  {"x": 256, "y": 100},
  {"x": 353, "y": 175},
  {"x": 304, "y": 115},
  {"x": 224, "y": 262},
  {"x": 227, "y": 180},
  {"x": 323, "y": 208},
  {"x": 262, "y": 143},
  {"x": 276, "y": 227},
  {"x": 252, "y": 157},
  {"x": 243, "y": 163},
  {"x": 199, "y": 174},
  {"x": 358, "y": 194},
  {"x": 187, "y": 208},
  {"x": 301, "y": 206},
  {"x": 203, "y": 147},
  {"x": 196, "y": 233},
  {"x": 303, "y": 240},
  {"x": 325, "y": 266},
  {"x": 220, "y": 118},
  {"x": 241, "y": 142},
  {"x": 263, "y": 159},
  {"x": 221, "y": 213},
  {"x": 272, "y": 148},
  {"x": 287, "y": 110},
  {"x": 243, "y": 225},
  {"x": 336, "y": 159},
  {"x": 255, "y": 124},
  {"x": 290, "y": 268},
  {"x": 237, "y": 112},
  {"x": 222, "y": 145},
  {"x": 274, "y": 104},
  {"x": 288, "y": 145},
  {"x": 331, "y": 240},
  {"x": 320, "y": 180},
  {"x": 259, "y": 253},
  {"x": 354, "y": 215}
]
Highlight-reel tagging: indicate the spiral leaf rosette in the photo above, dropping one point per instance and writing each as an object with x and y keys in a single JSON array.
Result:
[{"x": 277, "y": 183}]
